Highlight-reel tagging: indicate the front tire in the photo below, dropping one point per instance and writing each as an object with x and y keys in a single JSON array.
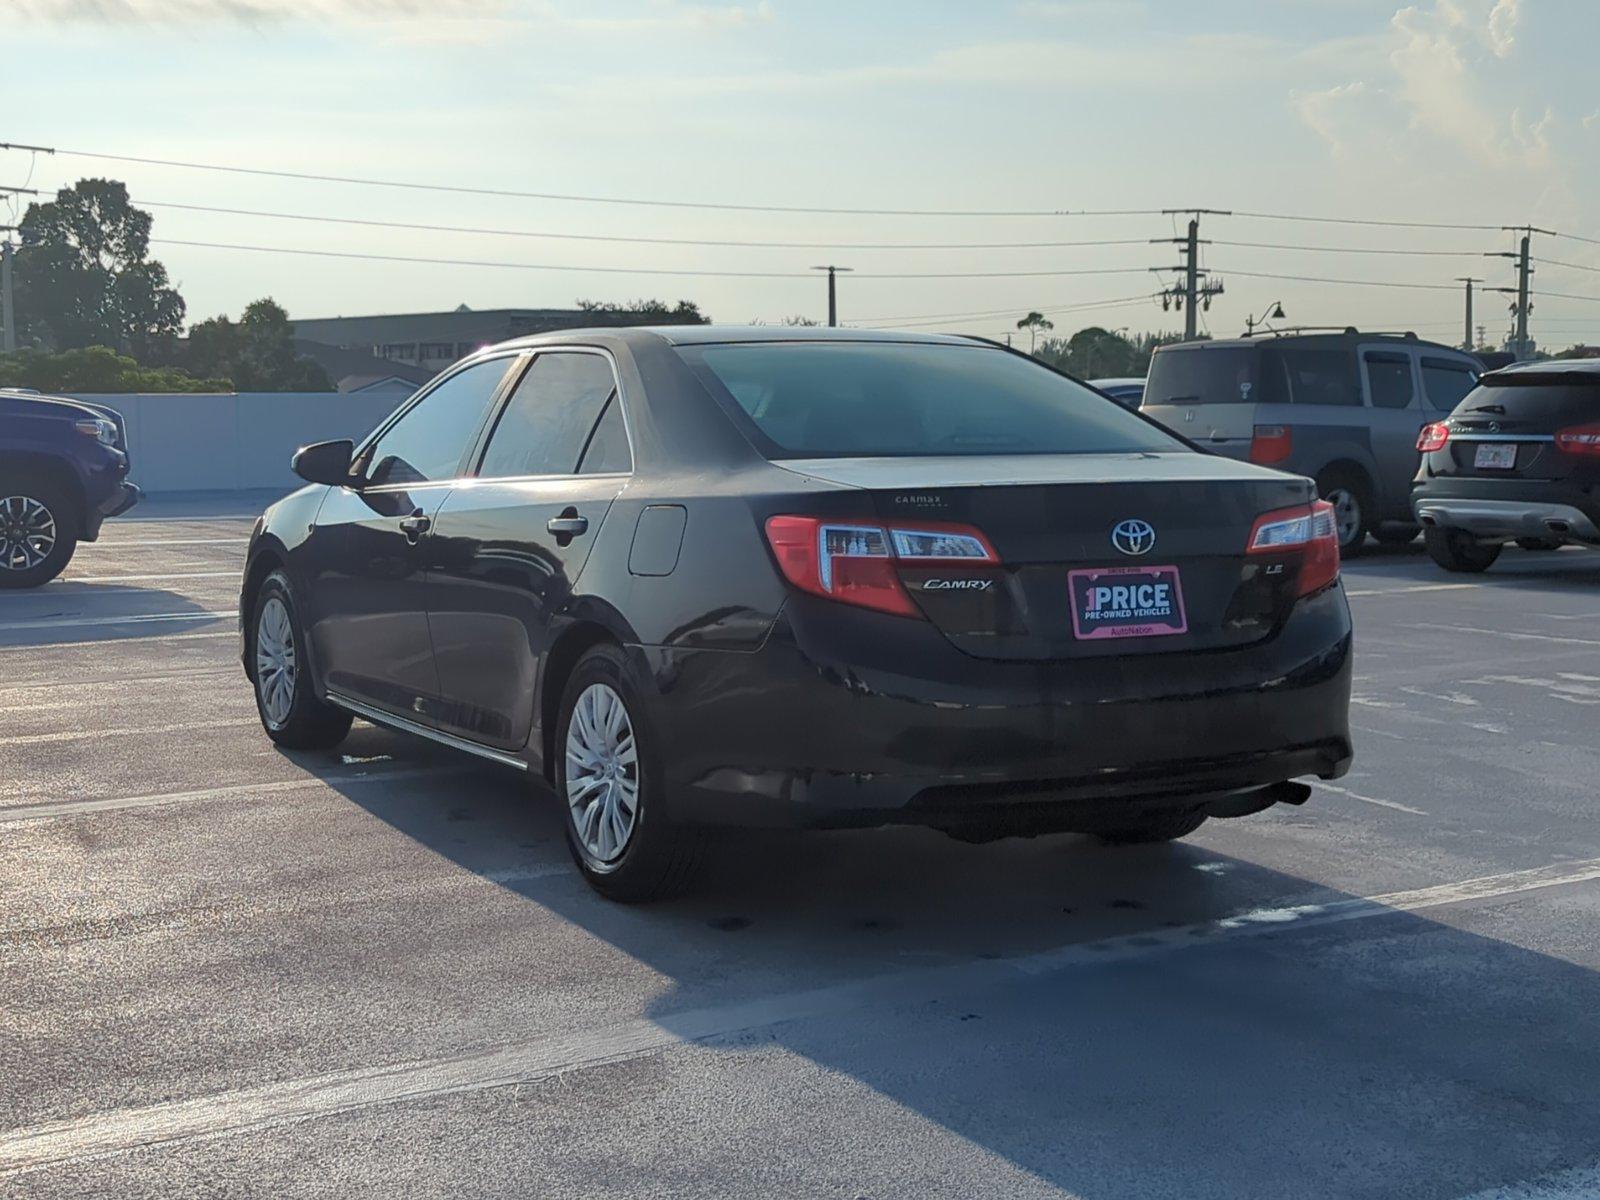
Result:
[
  {"x": 287, "y": 703},
  {"x": 39, "y": 524},
  {"x": 1152, "y": 827},
  {"x": 1456, "y": 550},
  {"x": 609, "y": 780}
]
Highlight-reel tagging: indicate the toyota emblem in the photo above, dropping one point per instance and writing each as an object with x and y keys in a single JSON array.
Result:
[{"x": 1133, "y": 537}]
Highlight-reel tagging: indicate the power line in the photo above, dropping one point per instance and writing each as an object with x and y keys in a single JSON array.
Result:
[
  {"x": 1431, "y": 287},
  {"x": 458, "y": 189},
  {"x": 1350, "y": 249},
  {"x": 1266, "y": 216},
  {"x": 1002, "y": 312},
  {"x": 469, "y": 262},
  {"x": 1556, "y": 262},
  {"x": 651, "y": 241},
  {"x": 909, "y": 323}
]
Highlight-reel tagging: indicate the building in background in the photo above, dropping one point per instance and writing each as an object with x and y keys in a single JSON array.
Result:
[{"x": 358, "y": 371}]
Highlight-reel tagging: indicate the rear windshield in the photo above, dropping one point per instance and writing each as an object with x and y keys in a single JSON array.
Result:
[
  {"x": 1199, "y": 375},
  {"x": 875, "y": 399}
]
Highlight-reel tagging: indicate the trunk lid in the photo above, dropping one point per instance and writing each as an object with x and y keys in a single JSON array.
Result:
[
  {"x": 1505, "y": 428},
  {"x": 1051, "y": 524}
]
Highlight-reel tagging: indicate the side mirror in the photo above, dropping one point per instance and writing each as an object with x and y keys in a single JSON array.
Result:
[{"x": 325, "y": 462}]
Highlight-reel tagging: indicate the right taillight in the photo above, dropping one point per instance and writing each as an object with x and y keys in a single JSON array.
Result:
[
  {"x": 1433, "y": 437},
  {"x": 1308, "y": 531},
  {"x": 1580, "y": 439},
  {"x": 1271, "y": 444}
]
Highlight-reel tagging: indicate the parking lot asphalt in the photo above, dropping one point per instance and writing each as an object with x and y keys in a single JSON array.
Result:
[{"x": 230, "y": 970}]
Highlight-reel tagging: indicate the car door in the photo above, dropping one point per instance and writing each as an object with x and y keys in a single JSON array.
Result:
[
  {"x": 364, "y": 562},
  {"x": 1396, "y": 415},
  {"x": 507, "y": 545}
]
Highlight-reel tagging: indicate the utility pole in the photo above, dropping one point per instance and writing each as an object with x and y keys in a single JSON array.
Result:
[
  {"x": 1466, "y": 337},
  {"x": 1523, "y": 305},
  {"x": 833, "y": 295},
  {"x": 1191, "y": 292},
  {"x": 8, "y": 308}
]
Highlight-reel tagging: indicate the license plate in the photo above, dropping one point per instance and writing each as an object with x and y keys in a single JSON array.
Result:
[
  {"x": 1125, "y": 602},
  {"x": 1496, "y": 456}
]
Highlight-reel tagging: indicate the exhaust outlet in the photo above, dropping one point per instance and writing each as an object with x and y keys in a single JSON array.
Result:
[{"x": 1245, "y": 804}]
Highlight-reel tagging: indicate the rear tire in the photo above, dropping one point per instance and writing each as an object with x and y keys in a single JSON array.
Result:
[
  {"x": 610, "y": 785},
  {"x": 286, "y": 700},
  {"x": 1153, "y": 827},
  {"x": 39, "y": 523},
  {"x": 1352, "y": 507},
  {"x": 1397, "y": 535},
  {"x": 1455, "y": 550}
]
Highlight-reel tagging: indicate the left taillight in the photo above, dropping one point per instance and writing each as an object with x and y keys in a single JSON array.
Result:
[
  {"x": 1433, "y": 437},
  {"x": 855, "y": 562},
  {"x": 1308, "y": 531}
]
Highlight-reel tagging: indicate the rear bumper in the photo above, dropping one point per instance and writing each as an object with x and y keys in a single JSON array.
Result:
[
  {"x": 1507, "y": 509},
  {"x": 863, "y": 719}
]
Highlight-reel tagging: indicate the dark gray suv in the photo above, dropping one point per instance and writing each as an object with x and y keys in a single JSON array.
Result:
[{"x": 1343, "y": 408}]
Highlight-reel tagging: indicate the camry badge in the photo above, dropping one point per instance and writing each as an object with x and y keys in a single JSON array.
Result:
[{"x": 1133, "y": 537}]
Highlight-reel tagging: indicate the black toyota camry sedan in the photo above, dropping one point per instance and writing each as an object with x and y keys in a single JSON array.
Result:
[{"x": 697, "y": 577}]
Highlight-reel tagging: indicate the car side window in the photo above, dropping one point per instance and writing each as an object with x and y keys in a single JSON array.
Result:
[
  {"x": 1321, "y": 377},
  {"x": 428, "y": 440},
  {"x": 1389, "y": 378},
  {"x": 1446, "y": 383},
  {"x": 607, "y": 451},
  {"x": 547, "y": 422}
]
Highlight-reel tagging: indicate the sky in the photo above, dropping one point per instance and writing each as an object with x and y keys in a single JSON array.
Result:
[{"x": 1473, "y": 112}]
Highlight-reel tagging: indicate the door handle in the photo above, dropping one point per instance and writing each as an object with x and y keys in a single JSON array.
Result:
[
  {"x": 567, "y": 525},
  {"x": 415, "y": 526}
]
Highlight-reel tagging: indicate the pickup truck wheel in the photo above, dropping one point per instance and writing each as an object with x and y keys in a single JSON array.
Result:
[
  {"x": 1457, "y": 551},
  {"x": 39, "y": 524}
]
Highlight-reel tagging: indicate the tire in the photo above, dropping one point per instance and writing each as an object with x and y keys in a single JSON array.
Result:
[
  {"x": 1455, "y": 550},
  {"x": 1397, "y": 535},
  {"x": 1538, "y": 543},
  {"x": 1153, "y": 827},
  {"x": 1352, "y": 507},
  {"x": 286, "y": 699},
  {"x": 39, "y": 523},
  {"x": 604, "y": 733}
]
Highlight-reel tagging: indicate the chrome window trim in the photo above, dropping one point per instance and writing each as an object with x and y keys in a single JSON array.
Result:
[
  {"x": 380, "y": 717},
  {"x": 616, "y": 392}
]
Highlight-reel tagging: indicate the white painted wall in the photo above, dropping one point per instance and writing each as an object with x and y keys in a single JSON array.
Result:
[{"x": 188, "y": 443}]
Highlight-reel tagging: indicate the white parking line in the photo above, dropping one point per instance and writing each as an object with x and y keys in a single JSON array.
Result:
[
  {"x": 73, "y": 808},
  {"x": 149, "y": 578},
  {"x": 1452, "y": 628},
  {"x": 1580, "y": 1184},
  {"x": 1398, "y": 807},
  {"x": 141, "y": 619},
  {"x": 99, "y": 1135},
  {"x": 118, "y": 544},
  {"x": 84, "y": 735},
  {"x": 119, "y": 681},
  {"x": 1406, "y": 591},
  {"x": 99, "y": 644}
]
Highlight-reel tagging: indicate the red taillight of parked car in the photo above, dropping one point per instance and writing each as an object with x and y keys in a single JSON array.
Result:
[
  {"x": 1579, "y": 439},
  {"x": 1433, "y": 437},
  {"x": 1271, "y": 444},
  {"x": 1307, "y": 530},
  {"x": 855, "y": 562}
]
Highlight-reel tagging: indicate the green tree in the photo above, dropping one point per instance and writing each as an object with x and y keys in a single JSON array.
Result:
[
  {"x": 1035, "y": 323},
  {"x": 84, "y": 276},
  {"x": 645, "y": 312},
  {"x": 256, "y": 352},
  {"x": 96, "y": 369},
  {"x": 1096, "y": 353}
]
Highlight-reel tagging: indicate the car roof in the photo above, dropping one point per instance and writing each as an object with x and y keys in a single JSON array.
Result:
[
  {"x": 706, "y": 335},
  {"x": 1330, "y": 337},
  {"x": 1554, "y": 366},
  {"x": 1127, "y": 381}
]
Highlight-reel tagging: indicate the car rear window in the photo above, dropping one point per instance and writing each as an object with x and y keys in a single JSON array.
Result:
[
  {"x": 875, "y": 399},
  {"x": 1203, "y": 375}
]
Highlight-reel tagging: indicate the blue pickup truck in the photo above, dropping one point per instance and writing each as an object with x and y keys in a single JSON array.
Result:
[{"x": 63, "y": 470}]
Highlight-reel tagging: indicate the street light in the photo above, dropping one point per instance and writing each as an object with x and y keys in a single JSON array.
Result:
[{"x": 1273, "y": 313}]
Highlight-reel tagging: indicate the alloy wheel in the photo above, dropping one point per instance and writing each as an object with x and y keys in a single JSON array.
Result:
[
  {"x": 602, "y": 773},
  {"x": 275, "y": 661},
  {"x": 27, "y": 533},
  {"x": 1346, "y": 513}
]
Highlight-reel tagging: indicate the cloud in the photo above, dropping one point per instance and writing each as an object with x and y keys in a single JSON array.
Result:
[{"x": 654, "y": 17}]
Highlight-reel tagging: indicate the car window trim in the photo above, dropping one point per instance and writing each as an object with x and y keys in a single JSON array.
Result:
[
  {"x": 1440, "y": 362},
  {"x": 485, "y": 434},
  {"x": 423, "y": 393}
]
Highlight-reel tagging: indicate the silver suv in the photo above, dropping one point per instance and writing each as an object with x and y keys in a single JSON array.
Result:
[{"x": 1343, "y": 408}]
